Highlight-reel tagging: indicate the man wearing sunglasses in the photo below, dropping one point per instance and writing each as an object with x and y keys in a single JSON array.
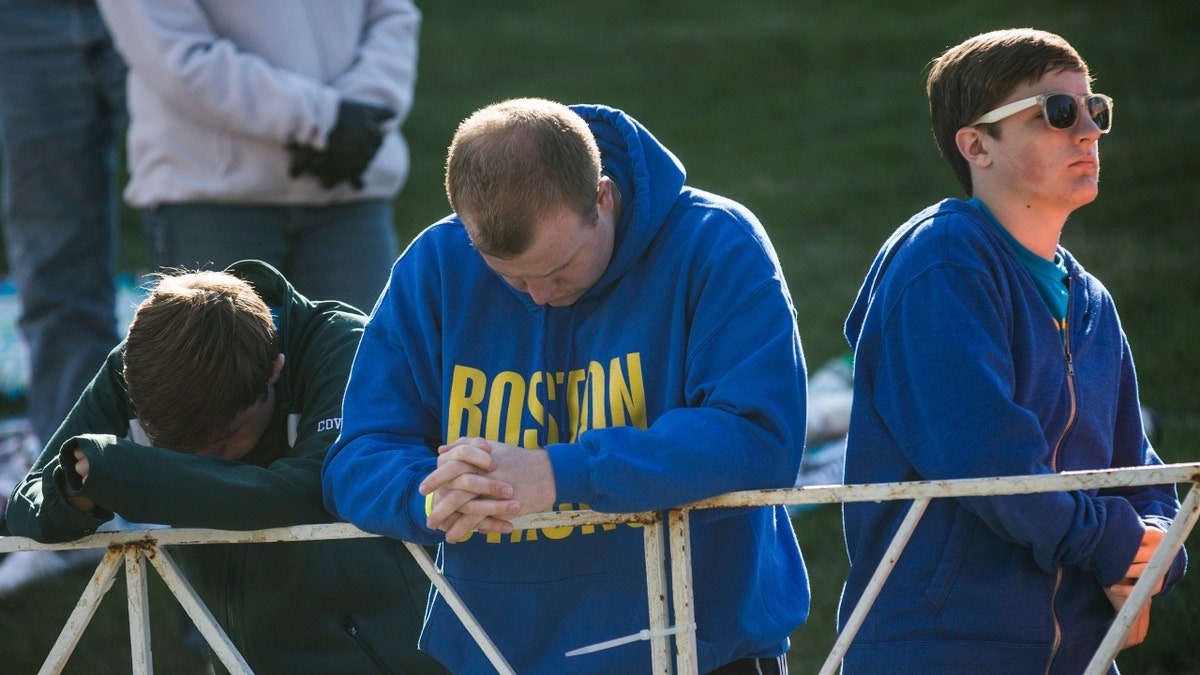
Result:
[{"x": 983, "y": 348}]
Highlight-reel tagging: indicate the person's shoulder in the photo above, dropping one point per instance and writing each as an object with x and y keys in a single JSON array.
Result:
[
  {"x": 949, "y": 217},
  {"x": 950, "y": 229},
  {"x": 710, "y": 216},
  {"x": 437, "y": 252},
  {"x": 948, "y": 234},
  {"x": 444, "y": 237},
  {"x": 693, "y": 197}
]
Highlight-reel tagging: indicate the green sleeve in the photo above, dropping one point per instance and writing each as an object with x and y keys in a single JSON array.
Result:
[{"x": 38, "y": 508}]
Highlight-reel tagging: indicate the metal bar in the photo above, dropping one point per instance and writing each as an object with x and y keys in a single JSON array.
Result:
[
  {"x": 966, "y": 487},
  {"x": 460, "y": 609},
  {"x": 681, "y": 591},
  {"x": 1156, "y": 569},
  {"x": 656, "y": 595},
  {"x": 93, "y": 593},
  {"x": 139, "y": 613},
  {"x": 153, "y": 540},
  {"x": 822, "y": 494},
  {"x": 882, "y": 571},
  {"x": 220, "y": 643}
]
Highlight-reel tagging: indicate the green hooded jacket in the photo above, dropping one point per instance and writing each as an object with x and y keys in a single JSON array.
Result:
[{"x": 338, "y": 606}]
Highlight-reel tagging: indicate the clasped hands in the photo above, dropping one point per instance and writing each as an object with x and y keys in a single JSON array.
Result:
[
  {"x": 1119, "y": 593},
  {"x": 481, "y": 485}
]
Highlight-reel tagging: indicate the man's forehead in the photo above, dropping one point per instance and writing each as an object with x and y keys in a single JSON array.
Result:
[{"x": 556, "y": 241}]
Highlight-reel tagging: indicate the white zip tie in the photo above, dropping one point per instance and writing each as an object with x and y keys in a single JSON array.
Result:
[{"x": 643, "y": 634}]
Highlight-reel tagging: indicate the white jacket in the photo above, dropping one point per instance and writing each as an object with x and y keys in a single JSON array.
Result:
[{"x": 217, "y": 88}]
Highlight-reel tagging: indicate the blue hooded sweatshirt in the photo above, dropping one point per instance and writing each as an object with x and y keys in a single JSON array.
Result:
[
  {"x": 961, "y": 372},
  {"x": 678, "y": 376}
]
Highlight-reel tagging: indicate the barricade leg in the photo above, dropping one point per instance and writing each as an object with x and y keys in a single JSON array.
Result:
[
  {"x": 681, "y": 591},
  {"x": 656, "y": 595},
  {"x": 139, "y": 613},
  {"x": 213, "y": 633},
  {"x": 874, "y": 585},
  {"x": 460, "y": 609},
  {"x": 96, "y": 589}
]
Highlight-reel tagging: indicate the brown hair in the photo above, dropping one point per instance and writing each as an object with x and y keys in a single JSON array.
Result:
[
  {"x": 971, "y": 78},
  {"x": 201, "y": 349},
  {"x": 512, "y": 163}
]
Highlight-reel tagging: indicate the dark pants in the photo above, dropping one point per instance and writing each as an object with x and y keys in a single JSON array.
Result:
[{"x": 765, "y": 666}]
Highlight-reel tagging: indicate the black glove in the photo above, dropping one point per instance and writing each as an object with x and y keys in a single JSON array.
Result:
[{"x": 352, "y": 144}]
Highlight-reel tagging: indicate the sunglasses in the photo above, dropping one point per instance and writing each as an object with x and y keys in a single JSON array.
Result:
[{"x": 1060, "y": 110}]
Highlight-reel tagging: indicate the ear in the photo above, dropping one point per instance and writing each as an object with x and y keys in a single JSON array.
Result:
[
  {"x": 605, "y": 194},
  {"x": 975, "y": 146},
  {"x": 276, "y": 370}
]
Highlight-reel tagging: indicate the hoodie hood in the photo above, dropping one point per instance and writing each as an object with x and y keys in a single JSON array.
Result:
[{"x": 648, "y": 176}]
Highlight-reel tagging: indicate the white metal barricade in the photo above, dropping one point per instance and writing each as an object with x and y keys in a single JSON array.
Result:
[{"x": 134, "y": 548}]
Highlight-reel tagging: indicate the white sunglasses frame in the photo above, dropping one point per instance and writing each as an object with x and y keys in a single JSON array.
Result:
[{"x": 1010, "y": 109}]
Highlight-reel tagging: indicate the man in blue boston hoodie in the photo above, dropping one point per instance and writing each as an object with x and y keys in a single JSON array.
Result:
[
  {"x": 585, "y": 332},
  {"x": 983, "y": 348}
]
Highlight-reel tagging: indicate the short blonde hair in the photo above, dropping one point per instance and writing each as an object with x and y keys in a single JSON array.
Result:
[{"x": 516, "y": 161}]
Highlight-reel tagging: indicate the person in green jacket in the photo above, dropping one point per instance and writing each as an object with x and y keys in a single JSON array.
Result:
[{"x": 216, "y": 411}]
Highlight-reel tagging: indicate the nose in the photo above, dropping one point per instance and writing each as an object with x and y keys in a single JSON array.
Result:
[
  {"x": 541, "y": 290},
  {"x": 1086, "y": 126}
]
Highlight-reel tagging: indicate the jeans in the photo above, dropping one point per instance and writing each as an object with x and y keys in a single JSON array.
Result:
[
  {"x": 329, "y": 252},
  {"x": 62, "y": 108}
]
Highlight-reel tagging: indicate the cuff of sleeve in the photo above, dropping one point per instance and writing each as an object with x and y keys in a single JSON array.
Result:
[
  {"x": 327, "y": 103},
  {"x": 1178, "y": 565},
  {"x": 66, "y": 459},
  {"x": 1118, "y": 544},
  {"x": 572, "y": 481},
  {"x": 66, "y": 518}
]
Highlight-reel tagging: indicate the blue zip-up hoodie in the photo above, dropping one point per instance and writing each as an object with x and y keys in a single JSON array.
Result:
[
  {"x": 961, "y": 372},
  {"x": 677, "y": 376}
]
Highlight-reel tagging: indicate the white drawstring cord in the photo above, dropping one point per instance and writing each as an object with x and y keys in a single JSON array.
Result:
[{"x": 644, "y": 634}]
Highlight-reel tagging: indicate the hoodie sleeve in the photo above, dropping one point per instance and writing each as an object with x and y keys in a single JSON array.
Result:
[
  {"x": 388, "y": 438},
  {"x": 38, "y": 508},
  {"x": 153, "y": 485},
  {"x": 1156, "y": 505},
  {"x": 384, "y": 70}
]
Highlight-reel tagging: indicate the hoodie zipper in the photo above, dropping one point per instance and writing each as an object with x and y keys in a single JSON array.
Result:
[{"x": 1058, "y": 573}]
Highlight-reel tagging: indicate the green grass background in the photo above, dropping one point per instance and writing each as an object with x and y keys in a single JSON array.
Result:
[{"x": 813, "y": 114}]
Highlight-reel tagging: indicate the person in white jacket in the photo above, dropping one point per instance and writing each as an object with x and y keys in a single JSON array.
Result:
[{"x": 271, "y": 130}]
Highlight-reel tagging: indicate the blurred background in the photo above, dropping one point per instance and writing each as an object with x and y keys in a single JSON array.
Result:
[{"x": 813, "y": 114}]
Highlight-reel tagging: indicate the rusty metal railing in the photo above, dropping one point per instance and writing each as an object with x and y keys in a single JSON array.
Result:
[{"x": 670, "y": 529}]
